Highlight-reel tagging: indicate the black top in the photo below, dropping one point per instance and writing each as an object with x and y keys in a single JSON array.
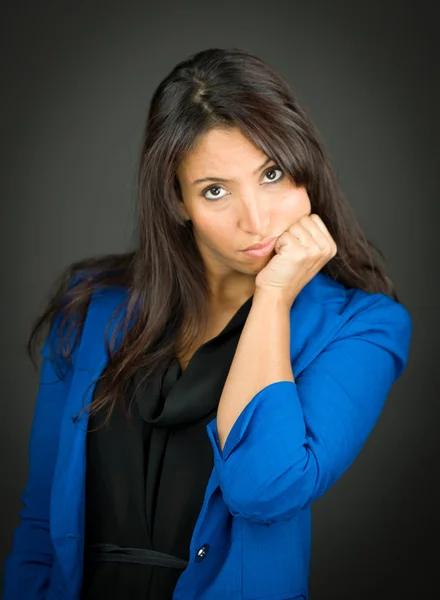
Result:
[{"x": 146, "y": 479}]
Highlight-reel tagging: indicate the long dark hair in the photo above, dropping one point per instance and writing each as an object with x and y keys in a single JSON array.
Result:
[{"x": 164, "y": 275}]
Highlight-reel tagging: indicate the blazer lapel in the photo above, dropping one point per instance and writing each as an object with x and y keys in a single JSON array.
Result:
[
  {"x": 315, "y": 317},
  {"x": 67, "y": 509}
]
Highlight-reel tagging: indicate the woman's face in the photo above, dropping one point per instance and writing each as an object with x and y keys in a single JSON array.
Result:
[{"x": 244, "y": 199}]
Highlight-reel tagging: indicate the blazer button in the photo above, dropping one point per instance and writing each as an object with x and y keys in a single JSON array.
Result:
[{"x": 202, "y": 553}]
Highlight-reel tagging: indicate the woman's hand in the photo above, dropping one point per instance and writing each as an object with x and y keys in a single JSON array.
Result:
[{"x": 301, "y": 252}]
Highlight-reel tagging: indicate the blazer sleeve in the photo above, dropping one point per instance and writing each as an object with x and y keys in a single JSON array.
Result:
[
  {"x": 27, "y": 568},
  {"x": 295, "y": 439}
]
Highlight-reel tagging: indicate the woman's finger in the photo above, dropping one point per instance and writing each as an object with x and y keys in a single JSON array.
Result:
[
  {"x": 301, "y": 233},
  {"x": 319, "y": 222},
  {"x": 320, "y": 237}
]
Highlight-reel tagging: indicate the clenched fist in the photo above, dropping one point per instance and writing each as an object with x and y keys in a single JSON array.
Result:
[{"x": 301, "y": 252}]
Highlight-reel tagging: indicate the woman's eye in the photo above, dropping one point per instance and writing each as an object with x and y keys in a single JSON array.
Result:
[
  {"x": 272, "y": 170},
  {"x": 215, "y": 195}
]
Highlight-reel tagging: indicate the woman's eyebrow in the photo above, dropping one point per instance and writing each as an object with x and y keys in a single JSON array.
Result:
[{"x": 268, "y": 160}]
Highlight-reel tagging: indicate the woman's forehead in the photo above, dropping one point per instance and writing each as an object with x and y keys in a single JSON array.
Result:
[{"x": 221, "y": 154}]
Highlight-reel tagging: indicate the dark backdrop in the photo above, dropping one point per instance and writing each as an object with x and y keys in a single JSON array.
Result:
[{"x": 76, "y": 81}]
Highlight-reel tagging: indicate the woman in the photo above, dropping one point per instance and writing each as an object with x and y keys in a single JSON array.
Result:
[{"x": 196, "y": 396}]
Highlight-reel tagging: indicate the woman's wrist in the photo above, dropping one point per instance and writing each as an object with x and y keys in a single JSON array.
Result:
[{"x": 274, "y": 295}]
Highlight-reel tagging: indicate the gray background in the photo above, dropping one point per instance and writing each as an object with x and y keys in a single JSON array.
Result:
[{"x": 77, "y": 78}]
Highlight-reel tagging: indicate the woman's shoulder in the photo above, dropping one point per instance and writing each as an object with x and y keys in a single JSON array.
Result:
[
  {"x": 375, "y": 317},
  {"x": 355, "y": 302},
  {"x": 108, "y": 298},
  {"x": 372, "y": 317},
  {"x": 106, "y": 304}
]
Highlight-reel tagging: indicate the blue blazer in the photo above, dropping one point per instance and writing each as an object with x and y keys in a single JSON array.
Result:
[{"x": 287, "y": 447}]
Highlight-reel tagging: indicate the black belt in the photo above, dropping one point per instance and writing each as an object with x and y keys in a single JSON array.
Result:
[{"x": 142, "y": 556}]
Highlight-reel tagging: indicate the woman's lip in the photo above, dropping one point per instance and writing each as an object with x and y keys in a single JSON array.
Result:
[
  {"x": 262, "y": 251},
  {"x": 262, "y": 245}
]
